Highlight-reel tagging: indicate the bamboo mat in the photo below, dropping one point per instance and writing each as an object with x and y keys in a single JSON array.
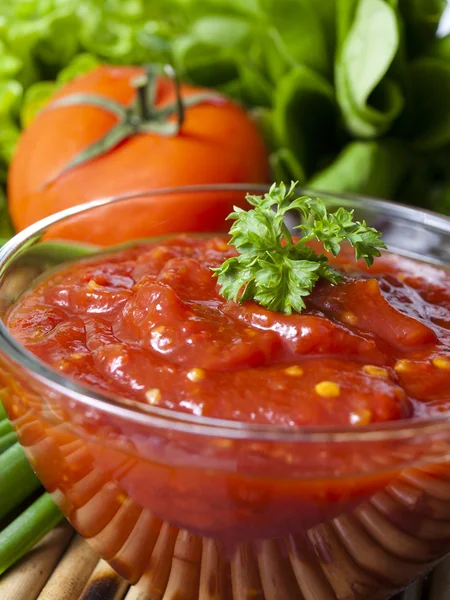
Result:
[{"x": 64, "y": 567}]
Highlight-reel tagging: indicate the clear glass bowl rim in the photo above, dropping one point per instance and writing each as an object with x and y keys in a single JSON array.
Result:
[{"x": 216, "y": 428}]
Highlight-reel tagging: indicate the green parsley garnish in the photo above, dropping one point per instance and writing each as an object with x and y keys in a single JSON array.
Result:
[{"x": 274, "y": 270}]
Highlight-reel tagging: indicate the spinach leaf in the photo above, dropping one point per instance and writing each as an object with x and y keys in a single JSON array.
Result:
[
  {"x": 421, "y": 19},
  {"x": 263, "y": 117},
  {"x": 255, "y": 88},
  {"x": 369, "y": 100},
  {"x": 277, "y": 61},
  {"x": 430, "y": 81},
  {"x": 426, "y": 179},
  {"x": 326, "y": 11},
  {"x": 154, "y": 40},
  {"x": 373, "y": 168},
  {"x": 204, "y": 64},
  {"x": 305, "y": 116},
  {"x": 285, "y": 166},
  {"x": 345, "y": 15},
  {"x": 440, "y": 198},
  {"x": 210, "y": 54},
  {"x": 300, "y": 31},
  {"x": 440, "y": 48}
]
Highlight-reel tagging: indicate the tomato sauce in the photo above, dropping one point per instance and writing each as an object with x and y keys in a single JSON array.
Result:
[{"x": 148, "y": 323}]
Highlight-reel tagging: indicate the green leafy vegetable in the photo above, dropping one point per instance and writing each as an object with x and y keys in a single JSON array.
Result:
[
  {"x": 277, "y": 270},
  {"x": 305, "y": 116},
  {"x": 346, "y": 85},
  {"x": 421, "y": 21},
  {"x": 301, "y": 32},
  {"x": 374, "y": 168},
  {"x": 6, "y": 229},
  {"x": 192, "y": 59},
  {"x": 225, "y": 31},
  {"x": 369, "y": 99},
  {"x": 35, "y": 98},
  {"x": 82, "y": 63},
  {"x": 430, "y": 82},
  {"x": 440, "y": 48},
  {"x": 283, "y": 162}
]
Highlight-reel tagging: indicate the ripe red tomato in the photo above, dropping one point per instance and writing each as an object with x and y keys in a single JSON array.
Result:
[{"x": 218, "y": 143}]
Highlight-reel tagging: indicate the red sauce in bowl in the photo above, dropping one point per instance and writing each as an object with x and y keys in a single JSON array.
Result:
[{"x": 148, "y": 323}]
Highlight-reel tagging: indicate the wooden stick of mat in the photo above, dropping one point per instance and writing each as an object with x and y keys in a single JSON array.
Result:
[
  {"x": 71, "y": 574},
  {"x": 414, "y": 592},
  {"x": 27, "y": 578},
  {"x": 80, "y": 575},
  {"x": 104, "y": 583},
  {"x": 135, "y": 594},
  {"x": 440, "y": 581}
]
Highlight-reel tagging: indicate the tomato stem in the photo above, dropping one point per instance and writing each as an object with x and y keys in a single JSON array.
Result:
[
  {"x": 141, "y": 84},
  {"x": 142, "y": 116},
  {"x": 145, "y": 107}
]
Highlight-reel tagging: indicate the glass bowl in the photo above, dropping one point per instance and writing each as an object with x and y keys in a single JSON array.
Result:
[{"x": 201, "y": 509}]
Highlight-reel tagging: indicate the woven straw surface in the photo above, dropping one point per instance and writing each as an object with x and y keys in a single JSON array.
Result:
[{"x": 64, "y": 567}]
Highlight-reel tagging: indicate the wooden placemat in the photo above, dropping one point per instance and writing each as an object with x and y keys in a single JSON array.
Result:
[{"x": 64, "y": 567}]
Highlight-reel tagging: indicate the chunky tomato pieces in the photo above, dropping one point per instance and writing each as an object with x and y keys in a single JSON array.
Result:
[{"x": 149, "y": 323}]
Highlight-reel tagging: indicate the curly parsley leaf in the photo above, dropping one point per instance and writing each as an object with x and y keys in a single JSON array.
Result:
[{"x": 277, "y": 271}]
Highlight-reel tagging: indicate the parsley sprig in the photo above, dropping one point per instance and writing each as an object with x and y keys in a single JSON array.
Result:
[{"x": 273, "y": 269}]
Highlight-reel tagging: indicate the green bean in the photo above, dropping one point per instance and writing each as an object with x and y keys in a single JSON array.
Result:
[
  {"x": 17, "y": 479},
  {"x": 27, "y": 529}
]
